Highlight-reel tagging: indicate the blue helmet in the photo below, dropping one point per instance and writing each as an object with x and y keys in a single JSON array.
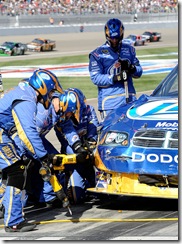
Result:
[
  {"x": 81, "y": 102},
  {"x": 68, "y": 102},
  {"x": 114, "y": 29},
  {"x": 45, "y": 82}
]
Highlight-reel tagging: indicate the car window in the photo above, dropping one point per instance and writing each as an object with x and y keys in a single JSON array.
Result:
[
  {"x": 38, "y": 41},
  {"x": 169, "y": 86},
  {"x": 146, "y": 33},
  {"x": 8, "y": 44}
]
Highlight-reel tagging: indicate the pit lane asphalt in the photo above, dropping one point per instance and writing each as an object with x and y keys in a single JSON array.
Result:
[{"x": 108, "y": 218}]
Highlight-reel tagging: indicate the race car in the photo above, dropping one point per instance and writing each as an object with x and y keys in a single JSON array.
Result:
[
  {"x": 137, "y": 152},
  {"x": 40, "y": 45},
  {"x": 134, "y": 40},
  {"x": 152, "y": 36},
  {"x": 12, "y": 49}
]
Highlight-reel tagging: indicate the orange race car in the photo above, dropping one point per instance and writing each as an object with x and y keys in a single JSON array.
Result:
[{"x": 40, "y": 44}]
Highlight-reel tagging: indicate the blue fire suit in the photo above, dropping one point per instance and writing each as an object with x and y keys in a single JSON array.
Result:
[
  {"x": 18, "y": 110},
  {"x": 81, "y": 176},
  {"x": 67, "y": 133},
  {"x": 103, "y": 65},
  {"x": 45, "y": 121}
]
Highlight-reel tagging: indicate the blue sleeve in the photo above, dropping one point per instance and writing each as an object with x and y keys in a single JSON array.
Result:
[
  {"x": 97, "y": 74},
  {"x": 24, "y": 115},
  {"x": 93, "y": 122},
  {"x": 66, "y": 130}
]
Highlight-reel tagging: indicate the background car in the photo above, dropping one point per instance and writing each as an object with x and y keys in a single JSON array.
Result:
[
  {"x": 152, "y": 36},
  {"x": 40, "y": 44},
  {"x": 134, "y": 40},
  {"x": 13, "y": 48},
  {"x": 137, "y": 152}
]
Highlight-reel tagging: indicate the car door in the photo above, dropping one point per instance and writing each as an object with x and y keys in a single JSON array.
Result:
[
  {"x": 46, "y": 45},
  {"x": 18, "y": 49}
]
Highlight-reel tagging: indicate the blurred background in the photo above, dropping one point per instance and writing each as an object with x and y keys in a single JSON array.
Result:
[{"x": 19, "y": 13}]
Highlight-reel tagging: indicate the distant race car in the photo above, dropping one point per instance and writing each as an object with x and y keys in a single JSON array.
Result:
[
  {"x": 12, "y": 49},
  {"x": 134, "y": 40},
  {"x": 40, "y": 45},
  {"x": 152, "y": 36},
  {"x": 137, "y": 151}
]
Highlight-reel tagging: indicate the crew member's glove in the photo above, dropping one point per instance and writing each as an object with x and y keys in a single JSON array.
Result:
[
  {"x": 120, "y": 77},
  {"x": 127, "y": 66},
  {"x": 49, "y": 160},
  {"x": 91, "y": 144},
  {"x": 80, "y": 151},
  {"x": 47, "y": 166}
]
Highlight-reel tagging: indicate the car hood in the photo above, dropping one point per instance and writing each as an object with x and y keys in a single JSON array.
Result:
[
  {"x": 5, "y": 47},
  {"x": 151, "y": 126},
  {"x": 34, "y": 44},
  {"x": 154, "y": 109}
]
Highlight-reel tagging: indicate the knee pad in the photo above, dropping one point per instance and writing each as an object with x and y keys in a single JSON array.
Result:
[{"x": 18, "y": 175}]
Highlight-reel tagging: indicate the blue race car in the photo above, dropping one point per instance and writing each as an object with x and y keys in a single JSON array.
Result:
[
  {"x": 134, "y": 40},
  {"x": 137, "y": 152}
]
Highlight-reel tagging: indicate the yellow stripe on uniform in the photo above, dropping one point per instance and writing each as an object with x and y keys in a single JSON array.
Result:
[
  {"x": 1, "y": 135},
  {"x": 21, "y": 133},
  {"x": 5, "y": 159}
]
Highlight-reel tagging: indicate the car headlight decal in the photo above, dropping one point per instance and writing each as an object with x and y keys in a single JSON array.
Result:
[{"x": 116, "y": 138}]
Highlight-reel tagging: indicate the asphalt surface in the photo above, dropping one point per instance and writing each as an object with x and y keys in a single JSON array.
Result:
[
  {"x": 105, "y": 217},
  {"x": 72, "y": 44}
]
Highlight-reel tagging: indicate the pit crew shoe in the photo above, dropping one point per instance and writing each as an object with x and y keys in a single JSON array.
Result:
[{"x": 21, "y": 227}]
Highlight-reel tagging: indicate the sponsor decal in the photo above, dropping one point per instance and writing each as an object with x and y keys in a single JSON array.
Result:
[
  {"x": 44, "y": 76},
  {"x": 114, "y": 34},
  {"x": 94, "y": 63},
  {"x": 125, "y": 51},
  {"x": 167, "y": 125},
  {"x": 115, "y": 68},
  {"x": 155, "y": 110},
  {"x": 105, "y": 51},
  {"x": 74, "y": 138},
  {"x": 72, "y": 98},
  {"x": 96, "y": 54},
  {"x": 154, "y": 158}
]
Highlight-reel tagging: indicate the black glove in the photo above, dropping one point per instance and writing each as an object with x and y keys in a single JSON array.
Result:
[
  {"x": 48, "y": 160},
  {"x": 132, "y": 69},
  {"x": 80, "y": 151},
  {"x": 47, "y": 166},
  {"x": 77, "y": 146},
  {"x": 121, "y": 77},
  {"x": 90, "y": 143},
  {"x": 127, "y": 66}
]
